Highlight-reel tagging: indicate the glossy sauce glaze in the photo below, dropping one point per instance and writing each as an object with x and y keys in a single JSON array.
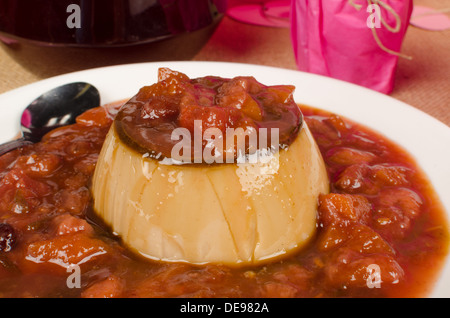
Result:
[
  {"x": 382, "y": 211},
  {"x": 147, "y": 121}
]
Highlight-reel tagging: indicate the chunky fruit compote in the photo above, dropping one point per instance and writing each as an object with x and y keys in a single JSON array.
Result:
[
  {"x": 147, "y": 121},
  {"x": 381, "y": 232}
]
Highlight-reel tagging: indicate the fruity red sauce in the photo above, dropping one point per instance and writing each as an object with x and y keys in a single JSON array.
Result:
[
  {"x": 147, "y": 121},
  {"x": 381, "y": 232}
]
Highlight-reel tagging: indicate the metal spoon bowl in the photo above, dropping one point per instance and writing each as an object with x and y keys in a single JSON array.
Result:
[{"x": 55, "y": 108}]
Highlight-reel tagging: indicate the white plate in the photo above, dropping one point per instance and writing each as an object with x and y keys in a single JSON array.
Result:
[{"x": 424, "y": 137}]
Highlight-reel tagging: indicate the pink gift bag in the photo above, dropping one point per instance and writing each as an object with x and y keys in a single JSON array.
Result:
[{"x": 357, "y": 41}]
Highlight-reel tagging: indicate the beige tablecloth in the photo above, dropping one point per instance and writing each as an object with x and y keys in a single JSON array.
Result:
[{"x": 423, "y": 82}]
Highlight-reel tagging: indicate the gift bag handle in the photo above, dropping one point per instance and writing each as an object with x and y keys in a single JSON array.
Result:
[{"x": 395, "y": 29}]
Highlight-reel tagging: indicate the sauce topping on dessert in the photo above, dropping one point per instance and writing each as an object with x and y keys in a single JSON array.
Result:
[{"x": 147, "y": 121}]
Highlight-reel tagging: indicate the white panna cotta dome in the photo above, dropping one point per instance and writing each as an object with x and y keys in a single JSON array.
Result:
[{"x": 230, "y": 213}]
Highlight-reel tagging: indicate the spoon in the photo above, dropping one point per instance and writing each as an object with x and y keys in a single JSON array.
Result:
[{"x": 55, "y": 108}]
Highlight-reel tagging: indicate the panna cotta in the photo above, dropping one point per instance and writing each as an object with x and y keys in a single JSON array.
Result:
[{"x": 210, "y": 170}]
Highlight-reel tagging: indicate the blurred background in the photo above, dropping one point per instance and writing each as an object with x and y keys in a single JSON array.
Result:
[{"x": 210, "y": 30}]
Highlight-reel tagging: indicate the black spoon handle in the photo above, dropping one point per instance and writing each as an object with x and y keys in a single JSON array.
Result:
[{"x": 13, "y": 144}]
